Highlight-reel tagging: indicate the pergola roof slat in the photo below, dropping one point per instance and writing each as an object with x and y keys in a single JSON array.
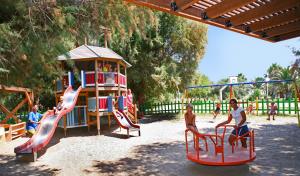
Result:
[
  {"x": 275, "y": 20},
  {"x": 286, "y": 36},
  {"x": 184, "y": 4},
  {"x": 291, "y": 27},
  {"x": 265, "y": 10},
  {"x": 225, "y": 7},
  {"x": 270, "y": 20}
]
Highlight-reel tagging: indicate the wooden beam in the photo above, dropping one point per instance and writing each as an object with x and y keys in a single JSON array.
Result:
[
  {"x": 184, "y": 4},
  {"x": 225, "y": 6},
  {"x": 97, "y": 95},
  {"x": 7, "y": 112},
  {"x": 275, "y": 20},
  {"x": 190, "y": 13},
  {"x": 287, "y": 36},
  {"x": 263, "y": 10},
  {"x": 4, "y": 109},
  {"x": 13, "y": 89},
  {"x": 12, "y": 113},
  {"x": 30, "y": 102},
  {"x": 284, "y": 29}
]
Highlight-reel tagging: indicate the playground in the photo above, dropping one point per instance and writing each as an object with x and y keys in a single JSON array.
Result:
[
  {"x": 115, "y": 88},
  {"x": 159, "y": 151}
]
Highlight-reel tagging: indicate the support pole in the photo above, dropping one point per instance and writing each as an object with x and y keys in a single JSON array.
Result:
[
  {"x": 230, "y": 97},
  {"x": 118, "y": 78},
  {"x": 296, "y": 103},
  {"x": 97, "y": 95},
  {"x": 221, "y": 90},
  {"x": 256, "y": 106}
]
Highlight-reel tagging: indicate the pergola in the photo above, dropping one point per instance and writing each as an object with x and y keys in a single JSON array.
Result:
[
  {"x": 29, "y": 98},
  {"x": 270, "y": 20}
]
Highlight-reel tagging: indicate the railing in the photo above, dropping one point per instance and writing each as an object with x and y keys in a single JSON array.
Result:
[
  {"x": 285, "y": 106},
  {"x": 103, "y": 106},
  {"x": 75, "y": 118},
  {"x": 104, "y": 103},
  {"x": 105, "y": 79}
]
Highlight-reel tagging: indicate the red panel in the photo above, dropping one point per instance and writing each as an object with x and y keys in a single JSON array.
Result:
[
  {"x": 103, "y": 103},
  {"x": 101, "y": 78},
  {"x": 90, "y": 78},
  {"x": 116, "y": 78},
  {"x": 122, "y": 79}
]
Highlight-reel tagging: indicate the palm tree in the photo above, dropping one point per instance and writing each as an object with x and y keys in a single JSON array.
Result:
[{"x": 277, "y": 72}]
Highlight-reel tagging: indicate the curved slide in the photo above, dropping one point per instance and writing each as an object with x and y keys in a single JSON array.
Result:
[
  {"x": 48, "y": 125},
  {"x": 125, "y": 122}
]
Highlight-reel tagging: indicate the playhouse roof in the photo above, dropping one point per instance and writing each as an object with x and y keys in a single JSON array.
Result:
[{"x": 87, "y": 52}]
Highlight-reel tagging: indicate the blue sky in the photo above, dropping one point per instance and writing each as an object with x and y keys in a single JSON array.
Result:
[{"x": 229, "y": 53}]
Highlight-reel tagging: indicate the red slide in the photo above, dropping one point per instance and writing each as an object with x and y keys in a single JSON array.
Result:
[
  {"x": 125, "y": 122},
  {"x": 48, "y": 125}
]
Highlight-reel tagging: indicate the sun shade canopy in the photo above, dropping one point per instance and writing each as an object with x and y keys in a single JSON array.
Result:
[{"x": 270, "y": 20}]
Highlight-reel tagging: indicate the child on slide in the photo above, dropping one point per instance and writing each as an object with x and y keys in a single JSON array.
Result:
[{"x": 59, "y": 105}]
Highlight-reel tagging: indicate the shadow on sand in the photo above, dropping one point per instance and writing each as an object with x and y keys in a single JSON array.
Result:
[
  {"x": 10, "y": 166},
  {"x": 157, "y": 117},
  {"x": 276, "y": 155}
]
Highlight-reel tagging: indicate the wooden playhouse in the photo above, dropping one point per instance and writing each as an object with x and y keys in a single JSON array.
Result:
[{"x": 103, "y": 74}]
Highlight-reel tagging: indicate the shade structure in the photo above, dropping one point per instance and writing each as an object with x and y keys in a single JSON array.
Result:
[{"x": 270, "y": 20}]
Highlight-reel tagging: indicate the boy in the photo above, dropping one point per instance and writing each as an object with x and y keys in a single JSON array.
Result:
[{"x": 239, "y": 115}]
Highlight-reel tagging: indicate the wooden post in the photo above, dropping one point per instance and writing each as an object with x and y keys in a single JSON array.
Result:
[
  {"x": 97, "y": 95},
  {"x": 289, "y": 105},
  {"x": 256, "y": 106},
  {"x": 283, "y": 107},
  {"x": 230, "y": 97},
  {"x": 108, "y": 120},
  {"x": 118, "y": 78},
  {"x": 79, "y": 115},
  {"x": 65, "y": 125},
  {"x": 205, "y": 108},
  {"x": 135, "y": 113},
  {"x": 86, "y": 110},
  {"x": 296, "y": 103},
  {"x": 125, "y": 67},
  {"x": 262, "y": 106},
  {"x": 278, "y": 109}
]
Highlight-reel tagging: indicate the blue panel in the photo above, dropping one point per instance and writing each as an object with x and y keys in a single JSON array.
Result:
[
  {"x": 58, "y": 85},
  {"x": 121, "y": 103},
  {"x": 109, "y": 104},
  {"x": 92, "y": 104},
  {"x": 76, "y": 121},
  {"x": 71, "y": 78}
]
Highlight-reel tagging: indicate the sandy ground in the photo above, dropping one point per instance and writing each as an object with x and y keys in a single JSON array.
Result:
[{"x": 159, "y": 151}]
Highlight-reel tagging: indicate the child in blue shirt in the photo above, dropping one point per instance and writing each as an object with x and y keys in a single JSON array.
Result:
[{"x": 33, "y": 120}]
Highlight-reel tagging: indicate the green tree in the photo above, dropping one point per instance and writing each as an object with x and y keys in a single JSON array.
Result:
[
  {"x": 163, "y": 49},
  {"x": 200, "y": 79}
]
